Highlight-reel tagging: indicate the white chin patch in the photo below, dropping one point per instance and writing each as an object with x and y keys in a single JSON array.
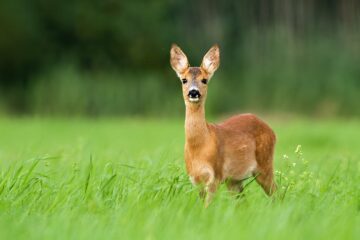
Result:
[{"x": 194, "y": 99}]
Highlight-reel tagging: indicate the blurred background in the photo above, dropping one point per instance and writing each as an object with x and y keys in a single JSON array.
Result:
[{"x": 111, "y": 58}]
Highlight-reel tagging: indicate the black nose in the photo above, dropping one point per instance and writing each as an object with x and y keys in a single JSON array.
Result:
[{"x": 194, "y": 93}]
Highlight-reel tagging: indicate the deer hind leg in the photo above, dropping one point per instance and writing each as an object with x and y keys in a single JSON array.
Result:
[
  {"x": 264, "y": 157},
  {"x": 266, "y": 180}
]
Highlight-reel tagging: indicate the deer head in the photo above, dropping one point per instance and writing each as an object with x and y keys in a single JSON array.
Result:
[{"x": 194, "y": 79}]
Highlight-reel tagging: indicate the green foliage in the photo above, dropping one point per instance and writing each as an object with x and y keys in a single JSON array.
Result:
[
  {"x": 283, "y": 81},
  {"x": 112, "y": 57},
  {"x": 67, "y": 91},
  {"x": 92, "y": 179}
]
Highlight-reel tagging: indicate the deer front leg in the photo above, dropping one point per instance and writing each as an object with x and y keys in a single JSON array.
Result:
[
  {"x": 210, "y": 192},
  {"x": 211, "y": 184},
  {"x": 202, "y": 193},
  {"x": 207, "y": 192},
  {"x": 235, "y": 187},
  {"x": 208, "y": 184}
]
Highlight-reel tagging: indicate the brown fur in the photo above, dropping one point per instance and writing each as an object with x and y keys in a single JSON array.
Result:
[{"x": 242, "y": 145}]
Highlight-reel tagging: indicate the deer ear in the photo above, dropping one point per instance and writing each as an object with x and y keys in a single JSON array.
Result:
[
  {"x": 211, "y": 60},
  {"x": 178, "y": 60}
]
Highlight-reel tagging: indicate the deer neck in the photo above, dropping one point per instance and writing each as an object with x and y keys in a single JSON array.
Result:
[{"x": 196, "y": 129}]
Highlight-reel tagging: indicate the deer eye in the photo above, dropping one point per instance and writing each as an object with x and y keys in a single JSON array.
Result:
[
  {"x": 204, "y": 81},
  {"x": 184, "y": 81}
]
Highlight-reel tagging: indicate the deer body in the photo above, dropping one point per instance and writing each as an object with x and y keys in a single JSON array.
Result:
[{"x": 237, "y": 148}]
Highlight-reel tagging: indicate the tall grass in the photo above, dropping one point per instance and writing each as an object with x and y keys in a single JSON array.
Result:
[{"x": 126, "y": 179}]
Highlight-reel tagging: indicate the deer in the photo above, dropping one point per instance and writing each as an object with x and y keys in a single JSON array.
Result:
[{"x": 229, "y": 152}]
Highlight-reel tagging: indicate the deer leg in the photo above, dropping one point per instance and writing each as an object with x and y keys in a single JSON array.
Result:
[
  {"x": 266, "y": 181},
  {"x": 235, "y": 186},
  {"x": 202, "y": 193},
  {"x": 210, "y": 192}
]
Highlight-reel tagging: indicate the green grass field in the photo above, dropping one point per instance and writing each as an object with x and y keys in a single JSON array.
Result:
[{"x": 125, "y": 179}]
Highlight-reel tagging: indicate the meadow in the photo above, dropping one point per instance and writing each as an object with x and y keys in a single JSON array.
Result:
[{"x": 125, "y": 179}]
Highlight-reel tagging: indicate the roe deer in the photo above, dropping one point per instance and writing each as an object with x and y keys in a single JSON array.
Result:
[{"x": 240, "y": 147}]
